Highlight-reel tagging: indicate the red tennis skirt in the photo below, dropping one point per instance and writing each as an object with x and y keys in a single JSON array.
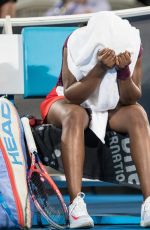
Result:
[{"x": 47, "y": 103}]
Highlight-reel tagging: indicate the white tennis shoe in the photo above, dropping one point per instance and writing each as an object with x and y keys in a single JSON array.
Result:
[
  {"x": 145, "y": 213},
  {"x": 78, "y": 215}
]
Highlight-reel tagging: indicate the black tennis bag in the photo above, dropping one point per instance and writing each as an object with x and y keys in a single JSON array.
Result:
[{"x": 111, "y": 162}]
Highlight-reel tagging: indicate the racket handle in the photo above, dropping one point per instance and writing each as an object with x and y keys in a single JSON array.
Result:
[{"x": 28, "y": 135}]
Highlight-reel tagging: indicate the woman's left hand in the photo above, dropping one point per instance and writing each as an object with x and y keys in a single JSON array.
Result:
[{"x": 123, "y": 60}]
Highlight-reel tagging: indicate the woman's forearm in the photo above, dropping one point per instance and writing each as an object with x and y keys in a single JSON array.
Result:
[
  {"x": 81, "y": 90},
  {"x": 129, "y": 91}
]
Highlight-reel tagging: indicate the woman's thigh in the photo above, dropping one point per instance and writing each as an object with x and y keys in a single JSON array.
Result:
[
  {"x": 62, "y": 111},
  {"x": 124, "y": 118}
]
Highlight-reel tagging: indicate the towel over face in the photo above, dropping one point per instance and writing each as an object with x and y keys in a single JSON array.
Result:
[{"x": 104, "y": 30}]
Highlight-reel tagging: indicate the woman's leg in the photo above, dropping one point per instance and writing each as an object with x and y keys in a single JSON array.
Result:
[
  {"x": 73, "y": 119},
  {"x": 133, "y": 120}
]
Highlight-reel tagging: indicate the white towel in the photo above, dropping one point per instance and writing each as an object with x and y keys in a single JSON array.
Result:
[{"x": 104, "y": 30}]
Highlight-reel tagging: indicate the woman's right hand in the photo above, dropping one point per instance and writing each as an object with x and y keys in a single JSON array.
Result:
[{"x": 106, "y": 58}]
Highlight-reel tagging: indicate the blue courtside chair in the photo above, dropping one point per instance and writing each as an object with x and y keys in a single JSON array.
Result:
[{"x": 42, "y": 50}]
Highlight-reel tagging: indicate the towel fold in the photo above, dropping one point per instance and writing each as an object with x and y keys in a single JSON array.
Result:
[{"x": 104, "y": 30}]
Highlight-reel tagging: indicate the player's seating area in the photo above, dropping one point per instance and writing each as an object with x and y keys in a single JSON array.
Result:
[
  {"x": 42, "y": 50},
  {"x": 42, "y": 55}
]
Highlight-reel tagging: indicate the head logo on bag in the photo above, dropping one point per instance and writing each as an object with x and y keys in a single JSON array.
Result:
[
  {"x": 9, "y": 140},
  {"x": 13, "y": 168}
]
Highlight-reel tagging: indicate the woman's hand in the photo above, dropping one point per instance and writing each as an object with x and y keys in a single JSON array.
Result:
[
  {"x": 106, "y": 58},
  {"x": 123, "y": 60}
]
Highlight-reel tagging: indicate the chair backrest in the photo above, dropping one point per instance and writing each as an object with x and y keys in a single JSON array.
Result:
[{"x": 42, "y": 48}]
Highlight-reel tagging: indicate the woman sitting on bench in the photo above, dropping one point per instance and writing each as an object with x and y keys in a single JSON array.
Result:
[{"x": 99, "y": 86}]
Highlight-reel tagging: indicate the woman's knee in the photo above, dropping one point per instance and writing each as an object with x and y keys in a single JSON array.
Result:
[
  {"x": 75, "y": 117},
  {"x": 136, "y": 117}
]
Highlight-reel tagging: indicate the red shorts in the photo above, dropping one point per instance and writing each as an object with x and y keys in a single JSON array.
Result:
[{"x": 47, "y": 103}]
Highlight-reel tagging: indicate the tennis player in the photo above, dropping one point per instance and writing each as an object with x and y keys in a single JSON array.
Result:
[{"x": 65, "y": 107}]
